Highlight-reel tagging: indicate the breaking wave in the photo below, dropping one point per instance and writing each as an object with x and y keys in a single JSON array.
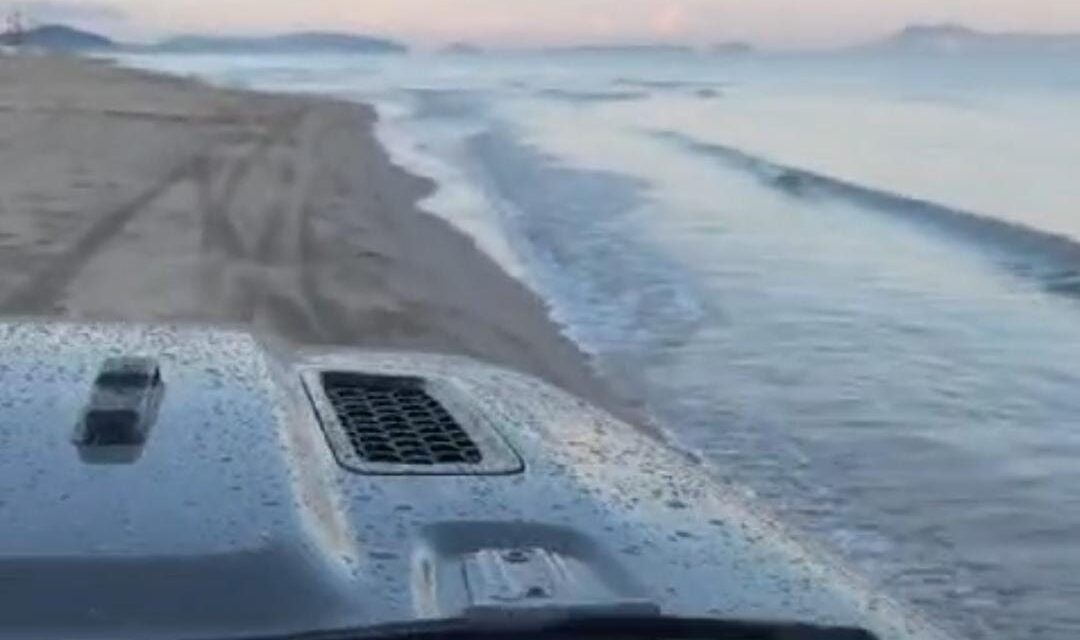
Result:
[{"x": 574, "y": 226}]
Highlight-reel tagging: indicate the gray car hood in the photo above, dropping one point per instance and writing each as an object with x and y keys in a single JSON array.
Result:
[{"x": 237, "y": 519}]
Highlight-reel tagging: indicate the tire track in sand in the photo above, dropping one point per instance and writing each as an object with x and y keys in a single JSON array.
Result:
[
  {"x": 41, "y": 292},
  {"x": 250, "y": 267}
]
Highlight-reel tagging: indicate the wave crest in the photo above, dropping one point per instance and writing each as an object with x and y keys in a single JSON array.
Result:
[{"x": 1050, "y": 259}]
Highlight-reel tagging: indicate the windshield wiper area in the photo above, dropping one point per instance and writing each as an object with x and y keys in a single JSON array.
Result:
[{"x": 574, "y": 626}]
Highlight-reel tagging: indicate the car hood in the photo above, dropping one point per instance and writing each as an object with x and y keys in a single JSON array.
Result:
[{"x": 236, "y": 517}]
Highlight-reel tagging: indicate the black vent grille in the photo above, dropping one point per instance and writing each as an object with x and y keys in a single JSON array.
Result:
[{"x": 393, "y": 420}]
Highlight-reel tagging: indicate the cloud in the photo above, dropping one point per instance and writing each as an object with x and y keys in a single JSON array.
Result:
[{"x": 79, "y": 13}]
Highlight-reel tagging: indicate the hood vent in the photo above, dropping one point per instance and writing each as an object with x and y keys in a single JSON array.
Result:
[
  {"x": 397, "y": 425},
  {"x": 394, "y": 421}
]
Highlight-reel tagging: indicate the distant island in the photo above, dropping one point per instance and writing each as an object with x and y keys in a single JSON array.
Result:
[
  {"x": 315, "y": 41},
  {"x": 735, "y": 48},
  {"x": 944, "y": 38},
  {"x": 462, "y": 48},
  {"x": 954, "y": 38},
  {"x": 62, "y": 38},
  {"x": 55, "y": 37},
  {"x": 665, "y": 49}
]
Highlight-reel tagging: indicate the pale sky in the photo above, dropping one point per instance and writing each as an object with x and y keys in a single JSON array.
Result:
[{"x": 776, "y": 23}]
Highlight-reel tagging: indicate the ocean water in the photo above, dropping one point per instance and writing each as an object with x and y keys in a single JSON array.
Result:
[{"x": 850, "y": 285}]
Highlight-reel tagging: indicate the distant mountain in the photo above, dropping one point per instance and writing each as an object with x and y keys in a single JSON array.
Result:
[
  {"x": 56, "y": 37},
  {"x": 731, "y": 48},
  {"x": 953, "y": 38},
  {"x": 315, "y": 41}
]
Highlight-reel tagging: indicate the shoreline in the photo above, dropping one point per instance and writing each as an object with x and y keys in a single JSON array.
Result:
[{"x": 128, "y": 195}]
